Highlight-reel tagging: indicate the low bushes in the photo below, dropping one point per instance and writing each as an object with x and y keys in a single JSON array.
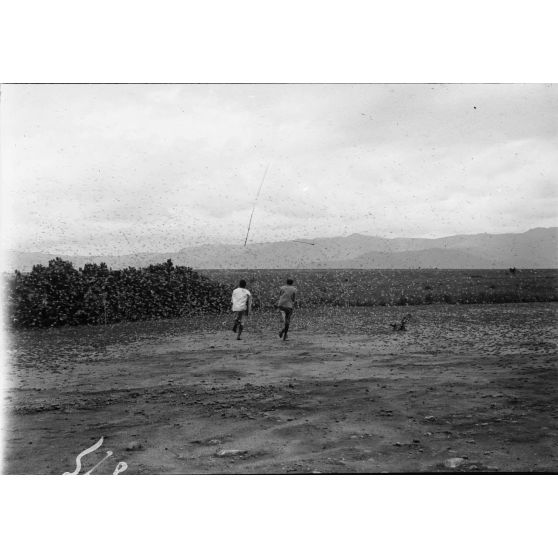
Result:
[{"x": 59, "y": 294}]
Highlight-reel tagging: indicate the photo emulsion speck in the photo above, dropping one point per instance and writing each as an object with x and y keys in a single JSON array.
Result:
[{"x": 279, "y": 278}]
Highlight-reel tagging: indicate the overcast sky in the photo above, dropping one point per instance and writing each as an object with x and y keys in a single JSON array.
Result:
[{"x": 113, "y": 169}]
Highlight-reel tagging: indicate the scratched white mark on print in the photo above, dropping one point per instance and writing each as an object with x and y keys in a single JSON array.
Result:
[{"x": 120, "y": 467}]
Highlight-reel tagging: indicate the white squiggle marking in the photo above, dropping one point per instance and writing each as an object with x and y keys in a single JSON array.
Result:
[
  {"x": 120, "y": 468},
  {"x": 83, "y": 453},
  {"x": 109, "y": 453}
]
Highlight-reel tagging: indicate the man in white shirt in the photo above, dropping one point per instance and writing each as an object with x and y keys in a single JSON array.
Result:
[{"x": 241, "y": 306}]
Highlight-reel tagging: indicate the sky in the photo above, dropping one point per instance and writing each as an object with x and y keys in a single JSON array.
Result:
[{"x": 116, "y": 169}]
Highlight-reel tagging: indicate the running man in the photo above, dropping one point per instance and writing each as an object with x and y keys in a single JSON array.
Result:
[
  {"x": 241, "y": 306},
  {"x": 287, "y": 296}
]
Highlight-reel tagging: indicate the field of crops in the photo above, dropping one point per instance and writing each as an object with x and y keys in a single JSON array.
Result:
[{"x": 397, "y": 287}]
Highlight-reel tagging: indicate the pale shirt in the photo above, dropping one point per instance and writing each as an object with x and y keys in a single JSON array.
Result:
[
  {"x": 287, "y": 296},
  {"x": 239, "y": 299}
]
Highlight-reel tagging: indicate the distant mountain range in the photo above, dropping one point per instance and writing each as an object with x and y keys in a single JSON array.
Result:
[{"x": 536, "y": 248}]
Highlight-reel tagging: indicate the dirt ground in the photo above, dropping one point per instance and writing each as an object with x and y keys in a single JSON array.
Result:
[{"x": 465, "y": 389}]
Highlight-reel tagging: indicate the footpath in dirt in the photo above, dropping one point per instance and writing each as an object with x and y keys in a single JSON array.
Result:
[{"x": 464, "y": 389}]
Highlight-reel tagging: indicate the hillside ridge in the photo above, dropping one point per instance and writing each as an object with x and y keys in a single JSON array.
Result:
[{"x": 536, "y": 248}]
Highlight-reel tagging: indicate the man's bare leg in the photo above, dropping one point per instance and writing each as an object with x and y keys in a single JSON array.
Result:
[
  {"x": 286, "y": 328},
  {"x": 237, "y": 322},
  {"x": 284, "y": 319}
]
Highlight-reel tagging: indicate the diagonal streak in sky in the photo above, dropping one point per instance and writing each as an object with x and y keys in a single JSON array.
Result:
[{"x": 255, "y": 202}]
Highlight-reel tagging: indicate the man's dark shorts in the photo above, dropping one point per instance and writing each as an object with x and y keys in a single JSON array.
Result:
[
  {"x": 288, "y": 311},
  {"x": 239, "y": 316}
]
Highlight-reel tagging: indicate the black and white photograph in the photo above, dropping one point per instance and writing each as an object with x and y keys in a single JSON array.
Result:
[{"x": 280, "y": 278}]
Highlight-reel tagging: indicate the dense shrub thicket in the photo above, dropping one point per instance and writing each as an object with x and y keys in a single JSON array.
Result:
[{"x": 59, "y": 294}]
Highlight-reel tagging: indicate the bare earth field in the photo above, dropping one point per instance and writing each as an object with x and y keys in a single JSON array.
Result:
[{"x": 473, "y": 384}]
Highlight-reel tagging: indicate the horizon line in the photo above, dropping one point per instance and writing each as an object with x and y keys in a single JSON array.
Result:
[{"x": 241, "y": 245}]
